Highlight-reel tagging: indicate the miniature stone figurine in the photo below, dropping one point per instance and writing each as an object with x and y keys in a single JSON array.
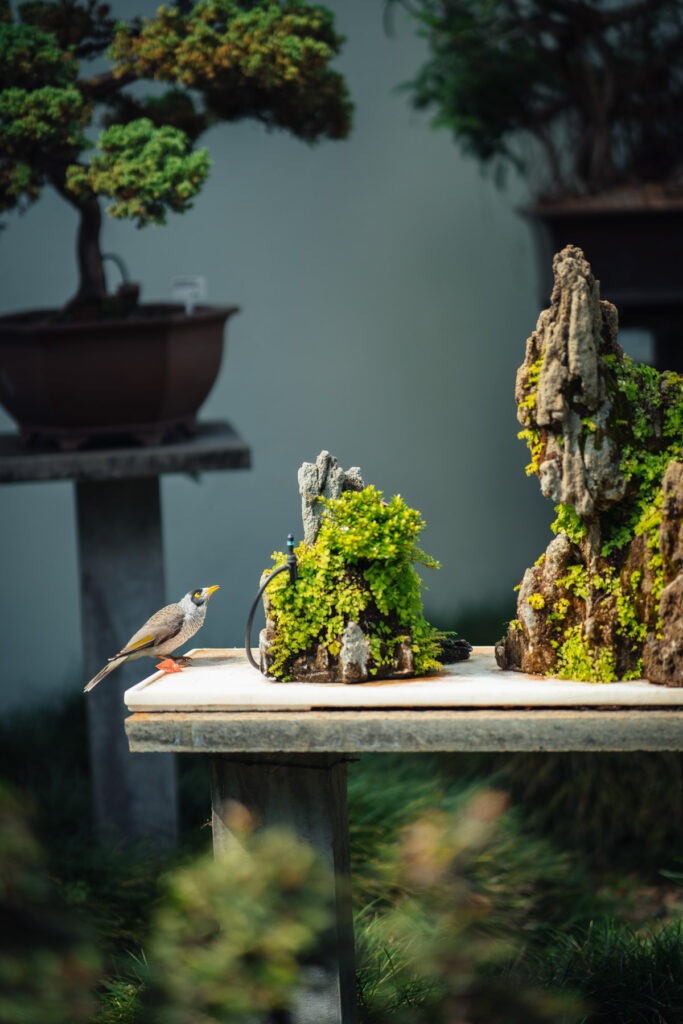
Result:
[
  {"x": 355, "y": 610},
  {"x": 605, "y": 600}
]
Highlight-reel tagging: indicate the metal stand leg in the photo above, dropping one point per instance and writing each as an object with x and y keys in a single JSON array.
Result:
[
  {"x": 307, "y": 793},
  {"x": 122, "y": 583}
]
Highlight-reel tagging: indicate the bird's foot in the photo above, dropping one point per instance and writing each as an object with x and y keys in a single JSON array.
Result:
[
  {"x": 169, "y": 665},
  {"x": 183, "y": 660}
]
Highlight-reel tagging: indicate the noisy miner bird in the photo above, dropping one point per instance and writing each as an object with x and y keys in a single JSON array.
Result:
[{"x": 165, "y": 631}]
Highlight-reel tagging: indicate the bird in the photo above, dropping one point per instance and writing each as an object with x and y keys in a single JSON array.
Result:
[{"x": 163, "y": 632}]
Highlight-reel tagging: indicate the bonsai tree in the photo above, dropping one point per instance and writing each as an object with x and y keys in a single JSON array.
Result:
[
  {"x": 89, "y": 134},
  {"x": 584, "y": 96}
]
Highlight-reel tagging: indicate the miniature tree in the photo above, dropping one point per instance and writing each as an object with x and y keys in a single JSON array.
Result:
[
  {"x": 584, "y": 95},
  {"x": 218, "y": 60},
  {"x": 605, "y": 601}
]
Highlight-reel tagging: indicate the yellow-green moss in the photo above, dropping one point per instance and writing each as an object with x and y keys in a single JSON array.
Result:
[
  {"x": 527, "y": 408},
  {"x": 578, "y": 659},
  {"x": 646, "y": 422},
  {"x": 570, "y": 522},
  {"x": 575, "y": 652}
]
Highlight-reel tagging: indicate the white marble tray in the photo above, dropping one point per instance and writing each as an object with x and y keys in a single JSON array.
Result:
[{"x": 223, "y": 680}]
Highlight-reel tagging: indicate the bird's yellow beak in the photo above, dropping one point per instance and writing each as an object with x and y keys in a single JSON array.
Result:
[{"x": 211, "y": 590}]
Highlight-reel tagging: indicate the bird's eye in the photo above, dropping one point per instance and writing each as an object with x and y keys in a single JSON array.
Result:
[{"x": 197, "y": 593}]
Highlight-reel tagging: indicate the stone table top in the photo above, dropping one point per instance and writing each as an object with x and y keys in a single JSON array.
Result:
[
  {"x": 222, "y": 704},
  {"x": 223, "y": 680},
  {"x": 215, "y": 446}
]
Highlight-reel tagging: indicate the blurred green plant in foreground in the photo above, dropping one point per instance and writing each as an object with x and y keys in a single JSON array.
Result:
[
  {"x": 235, "y": 938},
  {"x": 469, "y": 904},
  {"x": 435, "y": 951},
  {"x": 47, "y": 969}
]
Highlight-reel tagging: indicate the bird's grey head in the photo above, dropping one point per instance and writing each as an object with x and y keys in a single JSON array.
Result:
[{"x": 201, "y": 595}]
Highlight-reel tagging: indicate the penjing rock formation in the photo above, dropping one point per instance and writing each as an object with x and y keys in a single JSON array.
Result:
[
  {"x": 605, "y": 600},
  {"x": 355, "y": 610}
]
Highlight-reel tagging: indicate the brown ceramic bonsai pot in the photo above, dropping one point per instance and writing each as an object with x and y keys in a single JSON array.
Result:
[
  {"x": 634, "y": 242},
  {"x": 139, "y": 377}
]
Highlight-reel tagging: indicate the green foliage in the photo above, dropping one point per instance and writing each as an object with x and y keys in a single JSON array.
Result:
[
  {"x": 359, "y": 569},
  {"x": 31, "y": 58},
  {"x": 146, "y": 170},
  {"x": 578, "y": 659},
  {"x": 221, "y": 60},
  {"x": 615, "y": 813},
  {"x": 536, "y": 446},
  {"x": 47, "y": 970},
  {"x": 436, "y": 943},
  {"x": 361, "y": 526},
  {"x": 648, "y": 420},
  {"x": 121, "y": 1002},
  {"x": 622, "y": 974},
  {"x": 467, "y": 908},
  {"x": 570, "y": 522},
  {"x": 527, "y": 407},
  {"x": 646, "y": 425},
  {"x": 528, "y": 85},
  {"x": 230, "y": 940},
  {"x": 265, "y": 60}
]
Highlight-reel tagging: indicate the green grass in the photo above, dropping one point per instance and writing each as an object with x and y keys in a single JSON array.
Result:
[{"x": 623, "y": 975}]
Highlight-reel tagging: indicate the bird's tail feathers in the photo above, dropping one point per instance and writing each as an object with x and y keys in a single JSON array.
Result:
[{"x": 109, "y": 667}]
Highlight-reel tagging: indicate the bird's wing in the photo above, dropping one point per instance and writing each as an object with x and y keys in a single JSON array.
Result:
[{"x": 162, "y": 626}]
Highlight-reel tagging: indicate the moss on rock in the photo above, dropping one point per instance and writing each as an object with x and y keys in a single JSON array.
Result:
[
  {"x": 355, "y": 612},
  {"x": 606, "y": 442}
]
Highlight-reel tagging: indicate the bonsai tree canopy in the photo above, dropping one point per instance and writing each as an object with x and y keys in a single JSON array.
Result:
[
  {"x": 92, "y": 135},
  {"x": 583, "y": 96}
]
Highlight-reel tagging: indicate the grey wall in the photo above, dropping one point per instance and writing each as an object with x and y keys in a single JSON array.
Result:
[{"x": 386, "y": 291}]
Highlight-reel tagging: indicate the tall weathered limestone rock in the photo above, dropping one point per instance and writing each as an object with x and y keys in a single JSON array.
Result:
[
  {"x": 324, "y": 479},
  {"x": 605, "y": 601}
]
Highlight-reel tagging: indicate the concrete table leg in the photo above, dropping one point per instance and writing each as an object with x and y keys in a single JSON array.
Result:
[
  {"x": 307, "y": 793},
  {"x": 122, "y": 583}
]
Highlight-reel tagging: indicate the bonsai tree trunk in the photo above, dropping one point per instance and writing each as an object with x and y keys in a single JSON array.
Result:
[{"x": 92, "y": 287}]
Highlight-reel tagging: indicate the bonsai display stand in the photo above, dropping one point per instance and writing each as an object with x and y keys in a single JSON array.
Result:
[
  {"x": 119, "y": 523},
  {"x": 281, "y": 748}
]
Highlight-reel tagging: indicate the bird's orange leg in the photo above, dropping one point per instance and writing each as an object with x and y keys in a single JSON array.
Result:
[{"x": 169, "y": 665}]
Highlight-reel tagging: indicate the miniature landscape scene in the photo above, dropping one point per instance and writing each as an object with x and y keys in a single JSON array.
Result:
[
  {"x": 355, "y": 612},
  {"x": 451, "y": 870},
  {"x": 605, "y": 435}
]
